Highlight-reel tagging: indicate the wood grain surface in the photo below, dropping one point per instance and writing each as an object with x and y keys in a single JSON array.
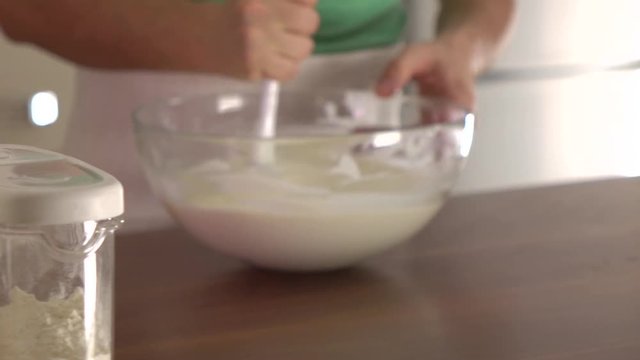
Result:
[{"x": 541, "y": 274}]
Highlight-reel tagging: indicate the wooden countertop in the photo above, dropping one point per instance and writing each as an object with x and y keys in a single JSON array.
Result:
[{"x": 542, "y": 274}]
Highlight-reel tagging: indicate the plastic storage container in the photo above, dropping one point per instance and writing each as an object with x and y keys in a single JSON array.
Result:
[{"x": 57, "y": 221}]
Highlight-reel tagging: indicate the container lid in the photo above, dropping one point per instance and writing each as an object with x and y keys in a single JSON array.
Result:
[{"x": 40, "y": 187}]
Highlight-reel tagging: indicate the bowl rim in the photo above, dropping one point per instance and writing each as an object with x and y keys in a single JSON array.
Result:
[{"x": 173, "y": 101}]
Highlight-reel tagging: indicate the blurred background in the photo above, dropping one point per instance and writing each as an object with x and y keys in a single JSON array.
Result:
[{"x": 559, "y": 106}]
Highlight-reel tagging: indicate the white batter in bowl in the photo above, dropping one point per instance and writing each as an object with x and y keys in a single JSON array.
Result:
[{"x": 349, "y": 179}]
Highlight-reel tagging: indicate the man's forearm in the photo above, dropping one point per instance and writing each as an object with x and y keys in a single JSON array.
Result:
[
  {"x": 87, "y": 33},
  {"x": 482, "y": 25},
  {"x": 116, "y": 34}
]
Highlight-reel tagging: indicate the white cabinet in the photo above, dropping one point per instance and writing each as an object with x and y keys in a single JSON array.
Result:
[{"x": 563, "y": 32}]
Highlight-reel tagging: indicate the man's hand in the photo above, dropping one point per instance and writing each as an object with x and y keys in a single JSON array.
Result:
[
  {"x": 275, "y": 36},
  {"x": 246, "y": 39},
  {"x": 470, "y": 33},
  {"x": 440, "y": 69}
]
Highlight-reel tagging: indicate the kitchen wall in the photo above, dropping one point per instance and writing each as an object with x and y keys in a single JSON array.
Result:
[
  {"x": 544, "y": 115},
  {"x": 24, "y": 71}
]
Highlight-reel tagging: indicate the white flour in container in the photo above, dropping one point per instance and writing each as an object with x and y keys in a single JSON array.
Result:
[{"x": 37, "y": 330}]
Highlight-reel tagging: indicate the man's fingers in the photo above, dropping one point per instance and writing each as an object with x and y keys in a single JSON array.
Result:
[
  {"x": 294, "y": 47},
  {"x": 453, "y": 87},
  {"x": 280, "y": 68},
  {"x": 411, "y": 62},
  {"x": 436, "y": 75},
  {"x": 297, "y": 19},
  {"x": 311, "y": 3}
]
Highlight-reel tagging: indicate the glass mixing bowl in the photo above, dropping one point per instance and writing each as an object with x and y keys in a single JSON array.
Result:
[{"x": 347, "y": 175}]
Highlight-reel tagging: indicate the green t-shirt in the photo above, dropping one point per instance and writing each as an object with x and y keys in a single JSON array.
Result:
[{"x": 349, "y": 25}]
